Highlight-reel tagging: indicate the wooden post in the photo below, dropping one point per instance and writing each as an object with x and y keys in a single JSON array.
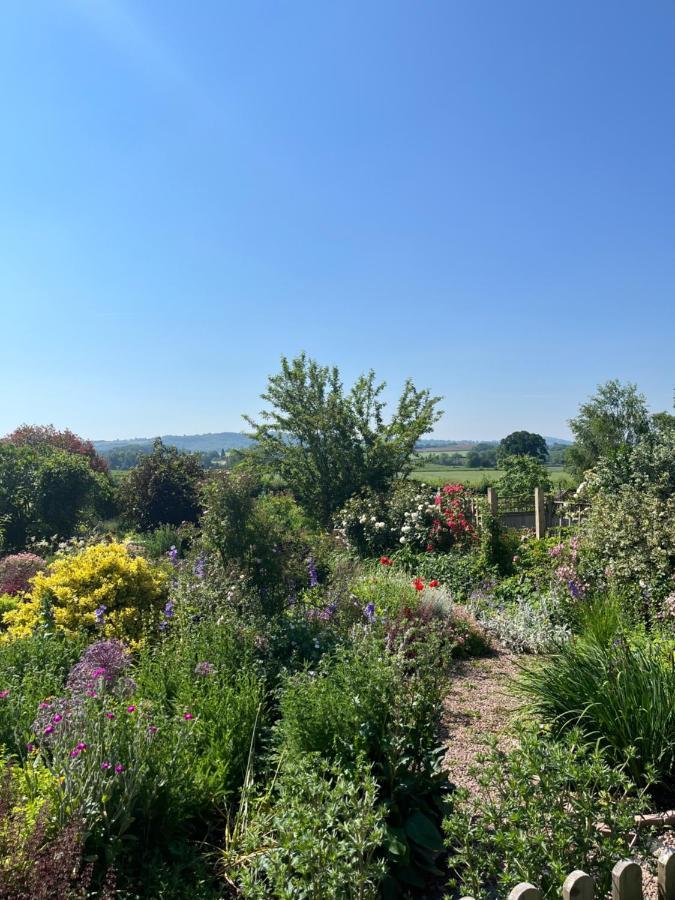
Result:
[
  {"x": 525, "y": 891},
  {"x": 578, "y": 885},
  {"x": 666, "y": 875},
  {"x": 539, "y": 512},
  {"x": 626, "y": 881},
  {"x": 493, "y": 502}
]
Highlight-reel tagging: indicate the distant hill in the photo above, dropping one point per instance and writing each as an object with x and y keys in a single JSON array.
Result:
[{"x": 201, "y": 443}]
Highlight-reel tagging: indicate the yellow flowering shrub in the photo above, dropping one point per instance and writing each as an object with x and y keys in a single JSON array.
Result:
[{"x": 103, "y": 590}]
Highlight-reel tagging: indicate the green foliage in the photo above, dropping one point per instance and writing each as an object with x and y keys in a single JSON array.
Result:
[
  {"x": 163, "y": 489},
  {"x": 522, "y": 443},
  {"x": 615, "y": 417},
  {"x": 539, "y": 808},
  {"x": 318, "y": 833},
  {"x": 617, "y": 686},
  {"x": 628, "y": 535},
  {"x": 46, "y": 492},
  {"x": 31, "y": 669},
  {"x": 522, "y": 474},
  {"x": 264, "y": 539},
  {"x": 384, "y": 707},
  {"x": 327, "y": 444}
]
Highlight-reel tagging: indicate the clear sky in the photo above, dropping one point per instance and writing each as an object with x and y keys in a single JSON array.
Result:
[{"x": 479, "y": 195}]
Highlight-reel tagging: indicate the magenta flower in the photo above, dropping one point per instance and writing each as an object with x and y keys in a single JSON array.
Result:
[
  {"x": 152, "y": 729},
  {"x": 44, "y": 705},
  {"x": 48, "y": 730},
  {"x": 105, "y": 765},
  {"x": 131, "y": 709},
  {"x": 4, "y": 695},
  {"x": 119, "y": 768},
  {"x": 188, "y": 716},
  {"x": 91, "y": 694},
  {"x": 81, "y": 746},
  {"x": 30, "y": 747},
  {"x": 57, "y": 718},
  {"x": 110, "y": 715}
]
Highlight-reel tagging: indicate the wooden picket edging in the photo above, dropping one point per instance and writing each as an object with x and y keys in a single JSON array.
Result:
[{"x": 626, "y": 882}]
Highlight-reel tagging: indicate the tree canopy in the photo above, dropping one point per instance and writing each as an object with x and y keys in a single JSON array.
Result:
[
  {"x": 615, "y": 417},
  {"x": 523, "y": 443},
  {"x": 328, "y": 443}
]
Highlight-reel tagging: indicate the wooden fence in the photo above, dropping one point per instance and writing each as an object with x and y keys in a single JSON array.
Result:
[
  {"x": 626, "y": 882},
  {"x": 537, "y": 511}
]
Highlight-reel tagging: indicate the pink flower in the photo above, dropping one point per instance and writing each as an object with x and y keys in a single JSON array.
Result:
[
  {"x": 152, "y": 729},
  {"x": 131, "y": 709},
  {"x": 57, "y": 718},
  {"x": 105, "y": 765},
  {"x": 110, "y": 715},
  {"x": 4, "y": 695},
  {"x": 119, "y": 768},
  {"x": 188, "y": 716},
  {"x": 48, "y": 730}
]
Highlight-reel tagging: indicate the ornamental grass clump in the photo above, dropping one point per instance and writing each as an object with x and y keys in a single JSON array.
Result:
[
  {"x": 103, "y": 590},
  {"x": 615, "y": 684}
]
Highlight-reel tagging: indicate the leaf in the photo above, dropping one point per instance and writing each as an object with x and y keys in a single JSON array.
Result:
[{"x": 422, "y": 830}]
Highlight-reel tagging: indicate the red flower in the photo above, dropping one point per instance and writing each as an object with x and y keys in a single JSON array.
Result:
[
  {"x": 434, "y": 583},
  {"x": 418, "y": 584},
  {"x": 385, "y": 561}
]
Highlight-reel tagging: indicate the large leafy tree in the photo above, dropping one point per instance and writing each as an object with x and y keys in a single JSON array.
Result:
[
  {"x": 328, "y": 443},
  {"x": 615, "y": 418},
  {"x": 163, "y": 489},
  {"x": 523, "y": 443},
  {"x": 42, "y": 437}
]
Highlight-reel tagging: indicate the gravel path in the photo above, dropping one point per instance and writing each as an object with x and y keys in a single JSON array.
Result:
[{"x": 478, "y": 706}]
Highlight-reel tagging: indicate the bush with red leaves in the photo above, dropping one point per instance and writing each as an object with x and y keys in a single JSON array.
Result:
[{"x": 47, "y": 436}]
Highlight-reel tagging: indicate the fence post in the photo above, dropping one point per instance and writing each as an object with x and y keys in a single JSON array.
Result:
[
  {"x": 539, "y": 512},
  {"x": 666, "y": 875},
  {"x": 493, "y": 502},
  {"x": 626, "y": 881},
  {"x": 578, "y": 885},
  {"x": 525, "y": 891}
]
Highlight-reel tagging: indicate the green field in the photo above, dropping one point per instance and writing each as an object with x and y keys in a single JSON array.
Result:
[{"x": 437, "y": 475}]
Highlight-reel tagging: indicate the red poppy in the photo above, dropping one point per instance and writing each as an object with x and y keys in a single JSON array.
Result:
[
  {"x": 418, "y": 584},
  {"x": 434, "y": 583},
  {"x": 385, "y": 561}
]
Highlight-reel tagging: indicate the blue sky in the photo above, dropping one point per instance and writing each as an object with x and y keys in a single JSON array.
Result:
[{"x": 479, "y": 195}]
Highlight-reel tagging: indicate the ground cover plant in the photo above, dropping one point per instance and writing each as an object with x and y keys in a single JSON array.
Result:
[{"x": 236, "y": 686}]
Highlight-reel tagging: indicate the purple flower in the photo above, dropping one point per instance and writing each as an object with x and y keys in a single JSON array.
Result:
[
  {"x": 105, "y": 765},
  {"x": 204, "y": 669},
  {"x": 187, "y": 716},
  {"x": 313, "y": 576},
  {"x": 173, "y": 555},
  {"x": 99, "y": 614},
  {"x": 169, "y": 609},
  {"x": 369, "y": 612},
  {"x": 200, "y": 566},
  {"x": 100, "y": 667},
  {"x": 119, "y": 768}
]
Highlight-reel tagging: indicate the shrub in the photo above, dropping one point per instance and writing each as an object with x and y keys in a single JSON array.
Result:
[
  {"x": 540, "y": 806},
  {"x": 527, "y": 624},
  {"x": 46, "y": 436},
  {"x": 46, "y": 492},
  {"x": 318, "y": 833},
  {"x": 101, "y": 590},
  {"x": 417, "y": 516},
  {"x": 617, "y": 686},
  {"x": 163, "y": 489},
  {"x": 264, "y": 539},
  {"x": 17, "y": 570},
  {"x": 383, "y": 706},
  {"x": 522, "y": 474}
]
